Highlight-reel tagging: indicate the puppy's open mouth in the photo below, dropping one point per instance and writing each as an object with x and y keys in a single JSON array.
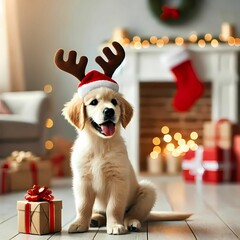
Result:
[{"x": 107, "y": 128}]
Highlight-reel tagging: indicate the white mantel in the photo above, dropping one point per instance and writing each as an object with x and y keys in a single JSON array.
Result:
[{"x": 218, "y": 65}]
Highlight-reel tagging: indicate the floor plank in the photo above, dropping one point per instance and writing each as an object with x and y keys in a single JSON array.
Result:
[
  {"x": 225, "y": 205},
  {"x": 9, "y": 202},
  {"x": 8, "y": 229},
  {"x": 174, "y": 230},
  {"x": 164, "y": 229},
  {"x": 64, "y": 235},
  {"x": 205, "y": 223}
]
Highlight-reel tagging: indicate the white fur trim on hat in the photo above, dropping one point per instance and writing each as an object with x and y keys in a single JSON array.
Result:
[{"x": 86, "y": 88}]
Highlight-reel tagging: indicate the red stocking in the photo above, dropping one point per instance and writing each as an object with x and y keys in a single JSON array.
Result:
[{"x": 189, "y": 87}]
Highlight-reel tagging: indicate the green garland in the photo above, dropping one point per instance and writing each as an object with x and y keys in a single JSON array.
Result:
[{"x": 173, "y": 15}]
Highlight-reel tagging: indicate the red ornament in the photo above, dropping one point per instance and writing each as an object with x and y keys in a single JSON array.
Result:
[
  {"x": 169, "y": 12},
  {"x": 38, "y": 193}
]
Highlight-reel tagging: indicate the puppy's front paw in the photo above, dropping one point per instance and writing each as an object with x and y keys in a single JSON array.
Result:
[
  {"x": 116, "y": 229},
  {"x": 77, "y": 226},
  {"x": 132, "y": 225}
]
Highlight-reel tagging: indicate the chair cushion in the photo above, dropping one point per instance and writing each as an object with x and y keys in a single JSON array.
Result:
[{"x": 14, "y": 127}]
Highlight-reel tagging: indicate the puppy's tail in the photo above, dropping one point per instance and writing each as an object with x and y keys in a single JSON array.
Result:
[{"x": 167, "y": 216}]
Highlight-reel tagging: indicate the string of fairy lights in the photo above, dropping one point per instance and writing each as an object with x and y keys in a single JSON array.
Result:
[
  {"x": 174, "y": 144},
  {"x": 202, "y": 41}
]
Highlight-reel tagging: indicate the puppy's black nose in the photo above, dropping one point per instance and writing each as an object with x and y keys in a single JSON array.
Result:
[{"x": 108, "y": 113}]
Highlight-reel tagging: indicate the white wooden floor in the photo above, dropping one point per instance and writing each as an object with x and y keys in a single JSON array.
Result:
[{"x": 216, "y": 211}]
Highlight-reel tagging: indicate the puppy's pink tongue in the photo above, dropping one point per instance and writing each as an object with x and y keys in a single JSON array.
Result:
[{"x": 108, "y": 128}]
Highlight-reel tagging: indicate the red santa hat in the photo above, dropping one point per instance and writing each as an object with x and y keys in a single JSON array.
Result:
[{"x": 93, "y": 80}]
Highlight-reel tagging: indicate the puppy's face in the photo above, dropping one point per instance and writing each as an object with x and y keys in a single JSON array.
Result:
[{"x": 102, "y": 111}]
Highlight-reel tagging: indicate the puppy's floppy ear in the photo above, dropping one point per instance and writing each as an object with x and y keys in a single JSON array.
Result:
[
  {"x": 74, "y": 112},
  {"x": 126, "y": 112}
]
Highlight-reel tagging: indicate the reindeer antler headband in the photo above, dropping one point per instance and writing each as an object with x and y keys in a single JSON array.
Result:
[{"x": 93, "y": 79}]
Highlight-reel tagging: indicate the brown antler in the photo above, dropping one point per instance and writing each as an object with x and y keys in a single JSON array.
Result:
[
  {"x": 70, "y": 66},
  {"x": 113, "y": 60}
]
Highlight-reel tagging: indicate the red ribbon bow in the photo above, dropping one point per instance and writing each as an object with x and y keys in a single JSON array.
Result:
[
  {"x": 169, "y": 12},
  {"x": 38, "y": 193}
]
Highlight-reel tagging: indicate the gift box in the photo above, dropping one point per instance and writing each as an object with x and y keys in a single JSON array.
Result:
[
  {"x": 40, "y": 214},
  {"x": 4, "y": 178},
  {"x": 60, "y": 157},
  {"x": 237, "y": 152},
  {"x": 219, "y": 134},
  {"x": 192, "y": 167},
  {"x": 31, "y": 173},
  {"x": 219, "y": 165},
  {"x": 39, "y": 217},
  {"x": 29, "y": 168},
  {"x": 210, "y": 165},
  {"x": 61, "y": 165}
]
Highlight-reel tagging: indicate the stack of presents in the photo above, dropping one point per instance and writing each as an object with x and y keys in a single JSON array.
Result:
[
  {"x": 39, "y": 213},
  {"x": 21, "y": 170},
  {"x": 218, "y": 160}
]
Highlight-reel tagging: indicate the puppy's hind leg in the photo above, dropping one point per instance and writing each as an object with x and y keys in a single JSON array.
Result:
[
  {"x": 138, "y": 212},
  {"x": 98, "y": 219}
]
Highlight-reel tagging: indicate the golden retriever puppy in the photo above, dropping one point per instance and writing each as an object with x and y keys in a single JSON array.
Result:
[
  {"x": 103, "y": 177},
  {"x": 105, "y": 187}
]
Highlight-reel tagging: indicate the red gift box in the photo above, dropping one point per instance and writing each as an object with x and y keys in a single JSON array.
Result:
[
  {"x": 219, "y": 165},
  {"x": 210, "y": 165}
]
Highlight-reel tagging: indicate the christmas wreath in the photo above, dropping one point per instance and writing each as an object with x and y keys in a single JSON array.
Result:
[{"x": 168, "y": 13}]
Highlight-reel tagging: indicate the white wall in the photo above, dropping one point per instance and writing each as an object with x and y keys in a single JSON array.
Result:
[
  {"x": 4, "y": 66},
  {"x": 47, "y": 25}
]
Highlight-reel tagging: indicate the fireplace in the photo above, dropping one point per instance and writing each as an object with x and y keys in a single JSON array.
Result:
[
  {"x": 158, "y": 117},
  {"x": 216, "y": 67}
]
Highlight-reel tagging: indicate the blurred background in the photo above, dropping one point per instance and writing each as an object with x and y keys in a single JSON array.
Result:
[
  {"x": 32, "y": 31},
  {"x": 38, "y": 28}
]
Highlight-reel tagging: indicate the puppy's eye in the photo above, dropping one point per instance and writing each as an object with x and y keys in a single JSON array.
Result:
[
  {"x": 114, "y": 101},
  {"x": 94, "y": 102}
]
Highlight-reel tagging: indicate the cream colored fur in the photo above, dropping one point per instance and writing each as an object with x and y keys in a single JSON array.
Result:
[{"x": 105, "y": 187}]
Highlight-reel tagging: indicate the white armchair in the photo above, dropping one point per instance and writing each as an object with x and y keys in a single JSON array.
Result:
[{"x": 24, "y": 129}]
